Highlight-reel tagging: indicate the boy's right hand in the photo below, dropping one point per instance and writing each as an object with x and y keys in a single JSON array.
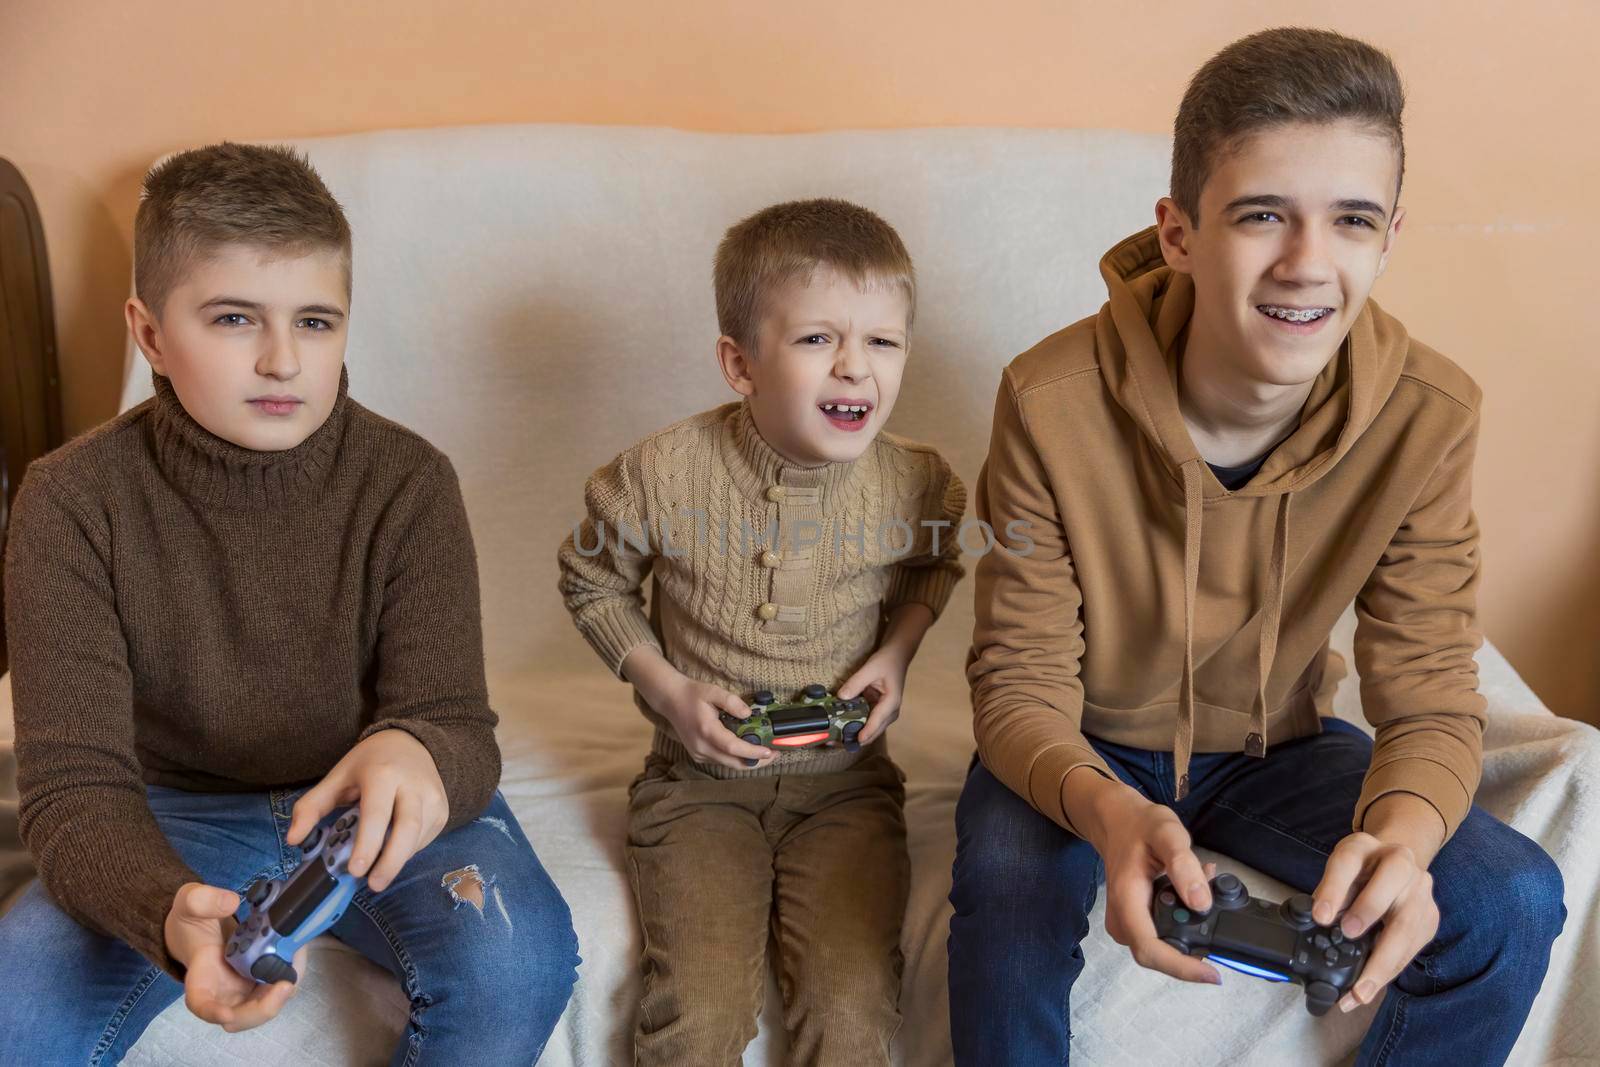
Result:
[
  {"x": 695, "y": 710},
  {"x": 1138, "y": 840},
  {"x": 197, "y": 928}
]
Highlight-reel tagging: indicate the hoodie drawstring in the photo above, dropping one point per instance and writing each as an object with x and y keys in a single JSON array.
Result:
[
  {"x": 1193, "y": 512},
  {"x": 1271, "y": 616},
  {"x": 1255, "y": 743}
]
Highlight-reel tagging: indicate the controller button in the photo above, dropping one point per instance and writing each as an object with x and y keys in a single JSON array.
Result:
[
  {"x": 1331, "y": 957},
  {"x": 1336, "y": 935},
  {"x": 1321, "y": 941},
  {"x": 814, "y": 691},
  {"x": 1181, "y": 915},
  {"x": 1168, "y": 897},
  {"x": 258, "y": 891},
  {"x": 1302, "y": 958},
  {"x": 764, "y": 696}
]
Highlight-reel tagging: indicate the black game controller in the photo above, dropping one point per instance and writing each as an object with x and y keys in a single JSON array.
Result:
[{"x": 1277, "y": 942}]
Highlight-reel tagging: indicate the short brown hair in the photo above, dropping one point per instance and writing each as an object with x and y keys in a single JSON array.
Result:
[
  {"x": 1274, "y": 78},
  {"x": 791, "y": 240},
  {"x": 259, "y": 195}
]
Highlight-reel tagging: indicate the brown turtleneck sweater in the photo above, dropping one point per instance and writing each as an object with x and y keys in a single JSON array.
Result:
[{"x": 185, "y": 612}]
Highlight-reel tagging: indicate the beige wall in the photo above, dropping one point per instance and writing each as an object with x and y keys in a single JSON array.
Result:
[{"x": 1495, "y": 268}]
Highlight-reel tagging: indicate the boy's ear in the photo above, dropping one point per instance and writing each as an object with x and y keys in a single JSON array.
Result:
[
  {"x": 1172, "y": 230},
  {"x": 735, "y": 364},
  {"x": 146, "y": 333},
  {"x": 1391, "y": 238}
]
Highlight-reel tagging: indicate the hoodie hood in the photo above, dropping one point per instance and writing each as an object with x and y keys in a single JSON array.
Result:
[{"x": 1137, "y": 336}]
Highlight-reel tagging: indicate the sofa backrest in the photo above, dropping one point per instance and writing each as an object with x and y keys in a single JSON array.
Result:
[{"x": 533, "y": 299}]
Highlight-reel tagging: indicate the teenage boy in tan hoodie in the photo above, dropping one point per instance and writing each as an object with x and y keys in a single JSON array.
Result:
[{"x": 1211, "y": 469}]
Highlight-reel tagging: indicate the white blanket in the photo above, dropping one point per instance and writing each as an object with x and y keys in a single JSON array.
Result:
[{"x": 533, "y": 299}]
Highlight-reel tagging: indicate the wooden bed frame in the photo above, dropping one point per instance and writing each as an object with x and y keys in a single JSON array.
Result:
[{"x": 30, "y": 381}]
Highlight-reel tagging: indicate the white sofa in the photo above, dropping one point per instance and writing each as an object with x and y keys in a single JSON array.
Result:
[{"x": 535, "y": 298}]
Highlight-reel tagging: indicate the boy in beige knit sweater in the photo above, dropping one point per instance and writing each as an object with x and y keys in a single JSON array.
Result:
[{"x": 789, "y": 542}]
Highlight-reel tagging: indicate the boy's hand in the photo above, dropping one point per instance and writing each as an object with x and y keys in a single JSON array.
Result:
[
  {"x": 694, "y": 709},
  {"x": 1383, "y": 877},
  {"x": 394, "y": 777},
  {"x": 1138, "y": 840},
  {"x": 198, "y": 925},
  {"x": 882, "y": 678}
]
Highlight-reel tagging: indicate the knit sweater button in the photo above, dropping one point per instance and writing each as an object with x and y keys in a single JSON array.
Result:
[
  {"x": 774, "y": 493},
  {"x": 767, "y": 612},
  {"x": 770, "y": 559}
]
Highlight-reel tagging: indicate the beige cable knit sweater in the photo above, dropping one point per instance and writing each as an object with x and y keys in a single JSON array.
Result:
[{"x": 766, "y": 575}]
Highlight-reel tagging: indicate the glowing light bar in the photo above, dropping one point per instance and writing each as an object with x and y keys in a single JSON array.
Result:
[
  {"x": 1248, "y": 968},
  {"x": 797, "y": 740}
]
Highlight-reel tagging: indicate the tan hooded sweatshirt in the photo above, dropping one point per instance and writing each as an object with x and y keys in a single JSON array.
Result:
[{"x": 1156, "y": 609}]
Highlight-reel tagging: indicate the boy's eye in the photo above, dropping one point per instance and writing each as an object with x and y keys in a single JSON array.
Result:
[
  {"x": 232, "y": 318},
  {"x": 814, "y": 339},
  {"x": 315, "y": 324},
  {"x": 1358, "y": 220},
  {"x": 1261, "y": 216},
  {"x": 884, "y": 342}
]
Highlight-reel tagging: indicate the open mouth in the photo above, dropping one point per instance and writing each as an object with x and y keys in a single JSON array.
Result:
[
  {"x": 846, "y": 413},
  {"x": 1294, "y": 316}
]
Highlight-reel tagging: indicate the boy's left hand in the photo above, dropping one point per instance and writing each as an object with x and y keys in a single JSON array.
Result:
[
  {"x": 882, "y": 678},
  {"x": 397, "y": 783},
  {"x": 1370, "y": 880}
]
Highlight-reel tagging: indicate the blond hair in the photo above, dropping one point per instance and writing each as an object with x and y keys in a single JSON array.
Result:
[
  {"x": 792, "y": 240},
  {"x": 197, "y": 201}
]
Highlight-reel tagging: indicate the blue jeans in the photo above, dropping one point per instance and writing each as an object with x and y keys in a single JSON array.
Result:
[
  {"x": 1024, "y": 887},
  {"x": 487, "y": 957}
]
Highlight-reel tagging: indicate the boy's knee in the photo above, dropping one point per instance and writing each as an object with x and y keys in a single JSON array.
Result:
[
  {"x": 517, "y": 939},
  {"x": 849, "y": 989},
  {"x": 1532, "y": 894},
  {"x": 692, "y": 1017},
  {"x": 1517, "y": 887}
]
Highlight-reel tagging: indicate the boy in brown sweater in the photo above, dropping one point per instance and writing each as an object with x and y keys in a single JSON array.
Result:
[
  {"x": 1238, "y": 446},
  {"x": 789, "y": 542},
  {"x": 233, "y": 609}
]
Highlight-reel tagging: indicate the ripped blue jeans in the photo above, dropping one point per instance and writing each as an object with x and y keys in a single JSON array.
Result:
[{"x": 473, "y": 928}]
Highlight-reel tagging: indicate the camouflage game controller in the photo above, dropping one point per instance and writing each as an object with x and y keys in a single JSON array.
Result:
[
  {"x": 816, "y": 718},
  {"x": 283, "y": 915}
]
